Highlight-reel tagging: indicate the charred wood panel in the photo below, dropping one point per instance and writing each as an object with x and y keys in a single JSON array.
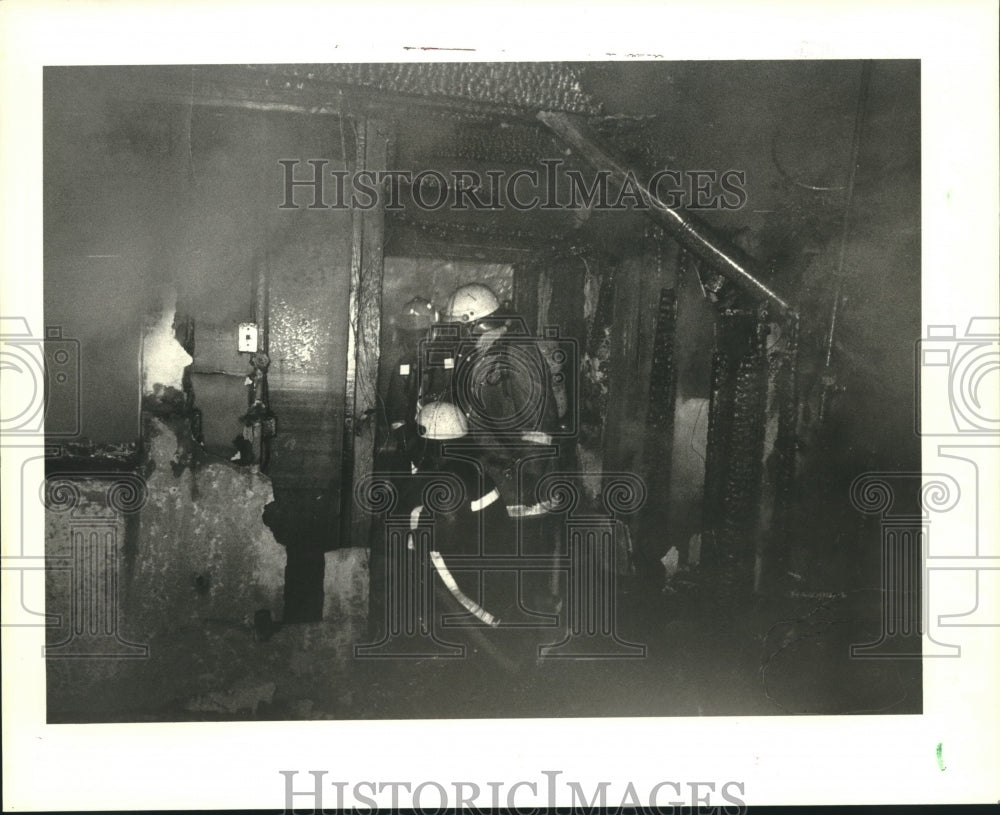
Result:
[
  {"x": 566, "y": 313},
  {"x": 734, "y": 464},
  {"x": 638, "y": 281},
  {"x": 364, "y": 327},
  {"x": 741, "y": 500},
  {"x": 622, "y": 441},
  {"x": 307, "y": 342},
  {"x": 526, "y": 293},
  {"x": 719, "y": 423},
  {"x": 658, "y": 447},
  {"x": 785, "y": 447}
]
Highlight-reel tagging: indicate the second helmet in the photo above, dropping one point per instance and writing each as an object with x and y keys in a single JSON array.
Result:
[{"x": 471, "y": 302}]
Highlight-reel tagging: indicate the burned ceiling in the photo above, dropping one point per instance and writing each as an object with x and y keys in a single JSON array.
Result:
[
  {"x": 514, "y": 87},
  {"x": 469, "y": 116}
]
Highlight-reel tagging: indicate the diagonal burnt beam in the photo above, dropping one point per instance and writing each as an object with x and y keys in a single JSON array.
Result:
[{"x": 682, "y": 227}]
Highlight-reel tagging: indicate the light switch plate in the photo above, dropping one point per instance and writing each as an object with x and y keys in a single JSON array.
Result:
[{"x": 248, "y": 338}]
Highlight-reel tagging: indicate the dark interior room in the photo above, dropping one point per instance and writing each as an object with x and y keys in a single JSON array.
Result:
[{"x": 709, "y": 272}]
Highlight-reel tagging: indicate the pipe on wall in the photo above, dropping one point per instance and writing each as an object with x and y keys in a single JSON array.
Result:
[
  {"x": 682, "y": 227},
  {"x": 829, "y": 379}
]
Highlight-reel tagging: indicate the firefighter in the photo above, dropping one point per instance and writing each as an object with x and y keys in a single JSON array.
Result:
[
  {"x": 397, "y": 430},
  {"x": 476, "y": 524},
  {"x": 502, "y": 382},
  {"x": 437, "y": 361},
  {"x": 403, "y": 388}
]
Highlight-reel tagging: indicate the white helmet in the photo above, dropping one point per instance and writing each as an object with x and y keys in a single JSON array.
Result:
[
  {"x": 470, "y": 303},
  {"x": 441, "y": 421}
]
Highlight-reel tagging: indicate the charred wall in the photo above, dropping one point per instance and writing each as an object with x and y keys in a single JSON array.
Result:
[{"x": 144, "y": 192}]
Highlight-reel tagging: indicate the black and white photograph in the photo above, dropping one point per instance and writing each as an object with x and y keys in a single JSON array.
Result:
[
  {"x": 452, "y": 387},
  {"x": 466, "y": 390}
]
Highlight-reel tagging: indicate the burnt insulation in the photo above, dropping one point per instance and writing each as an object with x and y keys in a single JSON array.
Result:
[
  {"x": 448, "y": 231},
  {"x": 719, "y": 422},
  {"x": 506, "y": 143},
  {"x": 663, "y": 373},
  {"x": 511, "y": 85},
  {"x": 741, "y": 497}
]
